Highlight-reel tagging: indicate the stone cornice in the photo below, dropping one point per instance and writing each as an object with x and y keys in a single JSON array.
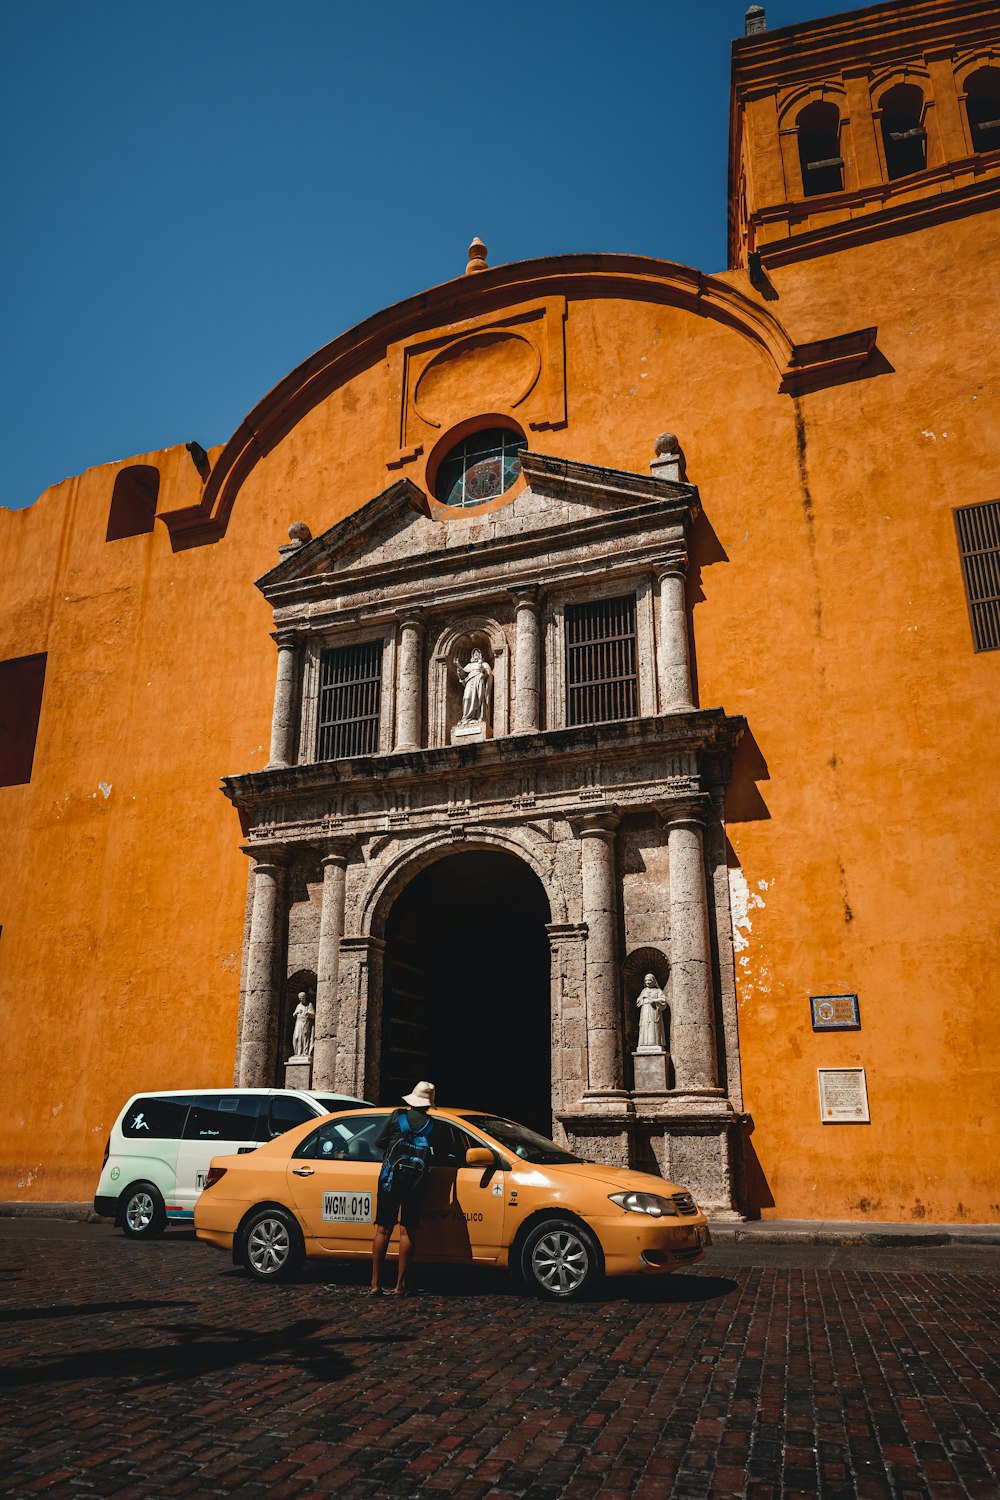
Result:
[
  {"x": 621, "y": 506},
  {"x": 568, "y": 479},
  {"x": 873, "y": 37},
  {"x": 701, "y": 730},
  {"x": 878, "y": 222}
]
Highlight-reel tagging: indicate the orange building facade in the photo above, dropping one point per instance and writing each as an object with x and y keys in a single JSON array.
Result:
[{"x": 818, "y": 738}]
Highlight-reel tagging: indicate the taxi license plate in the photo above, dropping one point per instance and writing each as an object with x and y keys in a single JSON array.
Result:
[{"x": 347, "y": 1208}]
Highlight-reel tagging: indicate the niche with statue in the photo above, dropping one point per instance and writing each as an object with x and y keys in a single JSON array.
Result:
[{"x": 647, "y": 1010}]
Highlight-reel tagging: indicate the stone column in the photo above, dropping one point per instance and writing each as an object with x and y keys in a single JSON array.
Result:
[
  {"x": 283, "y": 718},
  {"x": 692, "y": 1020},
  {"x": 263, "y": 952},
  {"x": 527, "y": 659},
  {"x": 600, "y": 913},
  {"x": 360, "y": 1031},
  {"x": 331, "y": 930},
  {"x": 409, "y": 680},
  {"x": 675, "y": 666}
]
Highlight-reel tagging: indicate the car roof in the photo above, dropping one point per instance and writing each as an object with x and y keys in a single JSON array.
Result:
[{"x": 315, "y": 1094}]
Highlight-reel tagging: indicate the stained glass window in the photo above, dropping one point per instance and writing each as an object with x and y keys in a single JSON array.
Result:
[{"x": 481, "y": 467}]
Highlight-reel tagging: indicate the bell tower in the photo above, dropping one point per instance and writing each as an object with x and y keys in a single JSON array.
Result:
[{"x": 859, "y": 126}]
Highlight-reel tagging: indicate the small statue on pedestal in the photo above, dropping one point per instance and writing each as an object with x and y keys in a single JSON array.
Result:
[
  {"x": 304, "y": 1032},
  {"x": 652, "y": 1003},
  {"x": 476, "y": 681}
]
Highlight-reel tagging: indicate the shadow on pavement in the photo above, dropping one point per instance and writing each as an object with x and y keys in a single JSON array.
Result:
[
  {"x": 83, "y": 1309},
  {"x": 205, "y": 1350}
]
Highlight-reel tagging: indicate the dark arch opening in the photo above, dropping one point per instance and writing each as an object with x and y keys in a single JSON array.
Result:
[
  {"x": 903, "y": 134},
  {"x": 133, "y": 502},
  {"x": 982, "y": 101},
  {"x": 819, "y": 149},
  {"x": 466, "y": 996}
]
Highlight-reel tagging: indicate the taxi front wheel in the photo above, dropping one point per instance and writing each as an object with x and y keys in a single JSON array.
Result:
[
  {"x": 560, "y": 1260},
  {"x": 271, "y": 1245}
]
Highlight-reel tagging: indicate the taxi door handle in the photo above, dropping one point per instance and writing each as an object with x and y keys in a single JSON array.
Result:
[{"x": 303, "y": 1171}]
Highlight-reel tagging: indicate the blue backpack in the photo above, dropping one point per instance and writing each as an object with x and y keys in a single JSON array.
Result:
[{"x": 407, "y": 1159}]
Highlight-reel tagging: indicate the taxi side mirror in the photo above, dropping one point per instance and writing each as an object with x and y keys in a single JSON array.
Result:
[{"x": 479, "y": 1156}]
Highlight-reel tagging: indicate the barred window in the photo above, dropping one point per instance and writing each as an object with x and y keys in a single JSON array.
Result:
[
  {"x": 601, "y": 678},
  {"x": 978, "y": 529},
  {"x": 350, "y": 695}
]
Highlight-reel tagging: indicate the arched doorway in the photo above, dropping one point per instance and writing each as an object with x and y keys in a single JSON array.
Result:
[{"x": 466, "y": 990}]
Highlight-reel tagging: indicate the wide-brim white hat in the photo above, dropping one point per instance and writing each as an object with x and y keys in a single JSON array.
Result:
[{"x": 422, "y": 1096}]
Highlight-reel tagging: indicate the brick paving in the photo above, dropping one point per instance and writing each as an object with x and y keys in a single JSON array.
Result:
[{"x": 147, "y": 1371}]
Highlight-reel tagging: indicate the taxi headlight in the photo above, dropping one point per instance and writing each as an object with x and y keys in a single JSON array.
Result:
[{"x": 645, "y": 1203}]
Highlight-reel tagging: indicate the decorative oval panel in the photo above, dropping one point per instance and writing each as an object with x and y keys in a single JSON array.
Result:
[{"x": 489, "y": 371}]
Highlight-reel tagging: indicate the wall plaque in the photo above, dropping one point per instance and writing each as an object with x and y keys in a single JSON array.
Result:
[
  {"x": 843, "y": 1096},
  {"x": 835, "y": 1012}
]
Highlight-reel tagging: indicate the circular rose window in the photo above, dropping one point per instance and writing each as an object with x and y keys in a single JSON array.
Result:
[{"x": 480, "y": 467}]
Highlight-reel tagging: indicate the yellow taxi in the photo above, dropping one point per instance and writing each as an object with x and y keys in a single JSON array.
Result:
[{"x": 498, "y": 1195}]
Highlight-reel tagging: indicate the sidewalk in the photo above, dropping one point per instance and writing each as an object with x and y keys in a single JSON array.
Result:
[{"x": 724, "y": 1231}]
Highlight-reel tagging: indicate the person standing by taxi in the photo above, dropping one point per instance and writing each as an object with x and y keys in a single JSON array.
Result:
[{"x": 405, "y": 1142}]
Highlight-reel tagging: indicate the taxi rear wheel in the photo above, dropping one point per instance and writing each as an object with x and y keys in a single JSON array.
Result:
[
  {"x": 560, "y": 1260},
  {"x": 141, "y": 1212},
  {"x": 271, "y": 1246}
]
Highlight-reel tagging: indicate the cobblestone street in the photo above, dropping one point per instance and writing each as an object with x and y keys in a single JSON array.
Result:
[{"x": 158, "y": 1370}]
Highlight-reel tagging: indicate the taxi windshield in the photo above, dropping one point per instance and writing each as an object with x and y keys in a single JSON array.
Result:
[{"x": 520, "y": 1140}]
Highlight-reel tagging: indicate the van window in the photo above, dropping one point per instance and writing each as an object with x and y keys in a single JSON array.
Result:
[
  {"x": 286, "y": 1113},
  {"x": 224, "y": 1117},
  {"x": 344, "y": 1140},
  {"x": 155, "y": 1119}
]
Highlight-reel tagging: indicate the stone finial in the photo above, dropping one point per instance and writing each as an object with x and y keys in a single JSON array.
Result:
[
  {"x": 669, "y": 460},
  {"x": 299, "y": 533},
  {"x": 477, "y": 257},
  {"x": 755, "y": 21}
]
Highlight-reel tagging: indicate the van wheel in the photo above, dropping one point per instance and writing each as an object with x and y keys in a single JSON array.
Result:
[
  {"x": 271, "y": 1245},
  {"x": 561, "y": 1260},
  {"x": 141, "y": 1212}
]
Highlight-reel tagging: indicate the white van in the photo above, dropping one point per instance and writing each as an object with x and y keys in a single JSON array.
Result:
[{"x": 160, "y": 1146}]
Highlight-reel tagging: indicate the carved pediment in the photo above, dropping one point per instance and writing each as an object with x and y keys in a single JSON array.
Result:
[{"x": 565, "y": 507}]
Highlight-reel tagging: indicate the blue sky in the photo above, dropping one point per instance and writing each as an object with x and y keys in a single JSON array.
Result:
[{"x": 200, "y": 193}]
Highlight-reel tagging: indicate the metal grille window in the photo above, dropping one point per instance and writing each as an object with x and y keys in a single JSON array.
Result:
[
  {"x": 979, "y": 544},
  {"x": 350, "y": 694},
  {"x": 601, "y": 678}
]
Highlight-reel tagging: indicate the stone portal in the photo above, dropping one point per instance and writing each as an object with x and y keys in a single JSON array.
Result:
[{"x": 466, "y": 988}]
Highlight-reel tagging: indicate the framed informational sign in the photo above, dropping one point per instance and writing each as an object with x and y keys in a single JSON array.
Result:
[
  {"x": 843, "y": 1096},
  {"x": 835, "y": 1012}
]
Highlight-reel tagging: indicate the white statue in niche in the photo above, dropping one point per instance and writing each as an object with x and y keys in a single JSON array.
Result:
[
  {"x": 652, "y": 1003},
  {"x": 476, "y": 679},
  {"x": 304, "y": 1032}
]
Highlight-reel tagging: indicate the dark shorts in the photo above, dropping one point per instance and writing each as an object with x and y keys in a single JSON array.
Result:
[{"x": 394, "y": 1203}]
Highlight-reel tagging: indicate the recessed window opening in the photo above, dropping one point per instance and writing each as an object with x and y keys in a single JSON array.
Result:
[
  {"x": 903, "y": 135},
  {"x": 819, "y": 149},
  {"x": 982, "y": 104},
  {"x": 480, "y": 467},
  {"x": 133, "y": 502},
  {"x": 21, "y": 684},
  {"x": 350, "y": 697},
  {"x": 601, "y": 664},
  {"x": 978, "y": 528}
]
